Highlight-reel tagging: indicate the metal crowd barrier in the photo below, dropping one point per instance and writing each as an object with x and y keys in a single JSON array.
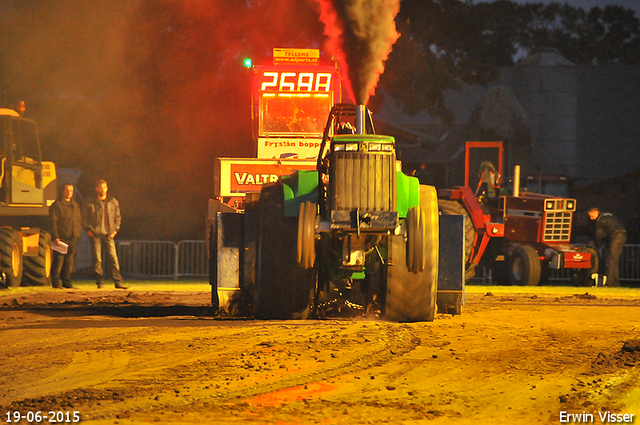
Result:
[
  {"x": 170, "y": 260},
  {"x": 140, "y": 259},
  {"x": 630, "y": 263},
  {"x": 192, "y": 259},
  {"x": 151, "y": 259}
]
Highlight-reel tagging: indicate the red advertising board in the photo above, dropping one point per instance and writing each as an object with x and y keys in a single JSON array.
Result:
[{"x": 236, "y": 177}]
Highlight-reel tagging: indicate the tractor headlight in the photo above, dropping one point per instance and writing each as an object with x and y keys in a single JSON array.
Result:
[
  {"x": 550, "y": 205},
  {"x": 380, "y": 147},
  {"x": 342, "y": 147},
  {"x": 375, "y": 147},
  {"x": 351, "y": 147}
]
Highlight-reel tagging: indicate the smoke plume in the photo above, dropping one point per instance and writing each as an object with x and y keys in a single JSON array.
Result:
[
  {"x": 145, "y": 93},
  {"x": 361, "y": 35}
]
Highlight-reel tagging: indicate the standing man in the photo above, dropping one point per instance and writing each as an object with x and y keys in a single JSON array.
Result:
[
  {"x": 66, "y": 225},
  {"x": 609, "y": 228},
  {"x": 102, "y": 222}
]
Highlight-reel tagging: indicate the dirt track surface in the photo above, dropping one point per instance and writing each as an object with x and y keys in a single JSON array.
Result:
[{"x": 154, "y": 354}]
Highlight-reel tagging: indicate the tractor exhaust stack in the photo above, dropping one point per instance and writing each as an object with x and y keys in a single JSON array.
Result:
[{"x": 361, "y": 113}]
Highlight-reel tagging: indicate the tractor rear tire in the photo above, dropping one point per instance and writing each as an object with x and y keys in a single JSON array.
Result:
[
  {"x": 306, "y": 235},
  {"x": 411, "y": 296},
  {"x": 11, "y": 256},
  {"x": 37, "y": 270},
  {"x": 582, "y": 277},
  {"x": 449, "y": 207},
  {"x": 524, "y": 266},
  {"x": 283, "y": 289}
]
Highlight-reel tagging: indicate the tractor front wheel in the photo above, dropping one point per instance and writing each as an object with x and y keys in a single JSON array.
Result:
[
  {"x": 524, "y": 266},
  {"x": 416, "y": 239},
  {"x": 306, "y": 235},
  {"x": 411, "y": 295}
]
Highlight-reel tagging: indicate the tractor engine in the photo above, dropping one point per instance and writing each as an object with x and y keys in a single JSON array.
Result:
[{"x": 362, "y": 188}]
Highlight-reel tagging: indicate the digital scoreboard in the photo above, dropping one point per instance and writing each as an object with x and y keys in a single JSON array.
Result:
[
  {"x": 294, "y": 82},
  {"x": 291, "y": 105}
]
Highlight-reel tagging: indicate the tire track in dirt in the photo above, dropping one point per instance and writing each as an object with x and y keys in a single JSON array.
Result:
[
  {"x": 400, "y": 342},
  {"x": 504, "y": 361},
  {"x": 172, "y": 385},
  {"x": 112, "y": 360},
  {"x": 87, "y": 368}
]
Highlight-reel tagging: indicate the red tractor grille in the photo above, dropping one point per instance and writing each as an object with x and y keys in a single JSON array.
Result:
[{"x": 557, "y": 227}]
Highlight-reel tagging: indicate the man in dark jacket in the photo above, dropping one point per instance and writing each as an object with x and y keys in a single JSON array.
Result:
[
  {"x": 101, "y": 219},
  {"x": 609, "y": 229},
  {"x": 66, "y": 225}
]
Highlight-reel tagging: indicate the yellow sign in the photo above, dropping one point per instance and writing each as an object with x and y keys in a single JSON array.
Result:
[{"x": 299, "y": 56}]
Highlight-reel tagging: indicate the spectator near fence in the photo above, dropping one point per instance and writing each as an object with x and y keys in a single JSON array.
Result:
[
  {"x": 102, "y": 221},
  {"x": 66, "y": 226},
  {"x": 610, "y": 230}
]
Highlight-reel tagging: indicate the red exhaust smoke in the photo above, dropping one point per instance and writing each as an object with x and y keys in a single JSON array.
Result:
[{"x": 361, "y": 35}]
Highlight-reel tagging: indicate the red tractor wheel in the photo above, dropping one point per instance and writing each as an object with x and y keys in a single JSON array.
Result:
[{"x": 524, "y": 266}]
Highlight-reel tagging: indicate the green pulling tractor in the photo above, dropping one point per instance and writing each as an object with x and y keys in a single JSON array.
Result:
[{"x": 354, "y": 236}]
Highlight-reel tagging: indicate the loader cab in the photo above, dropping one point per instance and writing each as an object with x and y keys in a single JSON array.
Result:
[{"x": 23, "y": 174}]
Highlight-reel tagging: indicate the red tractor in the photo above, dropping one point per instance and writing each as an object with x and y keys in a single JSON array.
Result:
[{"x": 529, "y": 233}]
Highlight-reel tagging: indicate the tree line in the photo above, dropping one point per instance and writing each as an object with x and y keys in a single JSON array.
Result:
[{"x": 446, "y": 42}]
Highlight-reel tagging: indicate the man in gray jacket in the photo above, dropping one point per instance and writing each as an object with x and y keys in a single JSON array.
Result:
[
  {"x": 102, "y": 221},
  {"x": 66, "y": 225}
]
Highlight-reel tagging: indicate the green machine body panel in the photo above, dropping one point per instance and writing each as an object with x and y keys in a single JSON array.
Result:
[
  {"x": 407, "y": 193},
  {"x": 302, "y": 186},
  {"x": 299, "y": 187}
]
